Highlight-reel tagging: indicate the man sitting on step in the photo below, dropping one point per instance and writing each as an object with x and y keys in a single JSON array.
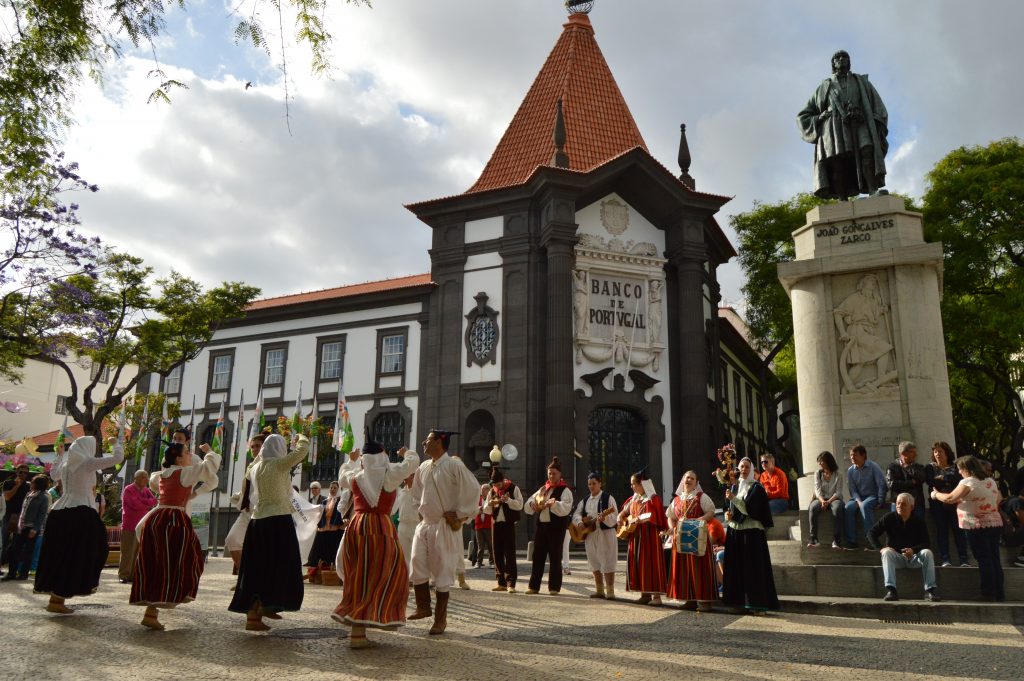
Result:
[{"x": 906, "y": 538}]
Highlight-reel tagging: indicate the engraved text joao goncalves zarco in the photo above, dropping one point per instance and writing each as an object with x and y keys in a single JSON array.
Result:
[{"x": 855, "y": 232}]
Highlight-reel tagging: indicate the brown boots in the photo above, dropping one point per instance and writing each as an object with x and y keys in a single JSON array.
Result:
[
  {"x": 422, "y": 592},
  {"x": 440, "y": 613}
]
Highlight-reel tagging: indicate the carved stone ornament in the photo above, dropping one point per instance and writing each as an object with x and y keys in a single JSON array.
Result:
[
  {"x": 614, "y": 216},
  {"x": 482, "y": 333},
  {"x": 867, "y": 363}
]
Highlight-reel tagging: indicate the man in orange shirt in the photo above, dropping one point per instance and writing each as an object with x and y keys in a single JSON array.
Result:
[{"x": 775, "y": 483}]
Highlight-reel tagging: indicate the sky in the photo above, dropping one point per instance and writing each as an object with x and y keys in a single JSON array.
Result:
[{"x": 219, "y": 185}]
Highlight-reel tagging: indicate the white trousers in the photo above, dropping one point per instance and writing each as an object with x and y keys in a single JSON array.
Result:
[
  {"x": 602, "y": 550},
  {"x": 406, "y": 531},
  {"x": 436, "y": 552}
]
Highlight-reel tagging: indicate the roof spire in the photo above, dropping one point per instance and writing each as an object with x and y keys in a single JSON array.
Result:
[
  {"x": 560, "y": 159},
  {"x": 684, "y": 159}
]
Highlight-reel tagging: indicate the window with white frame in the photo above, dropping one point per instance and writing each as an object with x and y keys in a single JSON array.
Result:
[
  {"x": 221, "y": 377},
  {"x": 172, "y": 384},
  {"x": 61, "y": 407},
  {"x": 94, "y": 371},
  {"x": 330, "y": 360},
  {"x": 273, "y": 367},
  {"x": 392, "y": 357}
]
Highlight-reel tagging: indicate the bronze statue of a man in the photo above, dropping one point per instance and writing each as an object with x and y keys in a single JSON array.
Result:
[{"x": 846, "y": 122}]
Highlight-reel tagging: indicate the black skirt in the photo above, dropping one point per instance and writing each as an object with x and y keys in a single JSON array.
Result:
[
  {"x": 325, "y": 548},
  {"x": 270, "y": 571},
  {"x": 73, "y": 554},
  {"x": 748, "y": 580}
]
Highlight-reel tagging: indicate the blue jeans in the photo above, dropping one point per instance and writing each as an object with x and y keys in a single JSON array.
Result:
[
  {"x": 778, "y": 506},
  {"x": 893, "y": 561},
  {"x": 985, "y": 547},
  {"x": 866, "y": 512},
  {"x": 944, "y": 518}
]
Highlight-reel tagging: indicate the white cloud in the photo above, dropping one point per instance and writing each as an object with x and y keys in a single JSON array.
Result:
[{"x": 215, "y": 186}]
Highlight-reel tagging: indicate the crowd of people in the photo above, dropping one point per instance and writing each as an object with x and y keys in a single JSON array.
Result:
[{"x": 387, "y": 526}]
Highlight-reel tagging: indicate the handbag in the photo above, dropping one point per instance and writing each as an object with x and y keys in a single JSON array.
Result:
[{"x": 691, "y": 537}]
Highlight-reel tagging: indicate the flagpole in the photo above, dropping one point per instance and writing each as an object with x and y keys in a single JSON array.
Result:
[{"x": 215, "y": 510}]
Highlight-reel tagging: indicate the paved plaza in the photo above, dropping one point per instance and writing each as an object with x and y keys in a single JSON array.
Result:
[{"x": 490, "y": 636}]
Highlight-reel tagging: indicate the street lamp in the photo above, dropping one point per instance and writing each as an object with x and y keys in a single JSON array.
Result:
[{"x": 495, "y": 455}]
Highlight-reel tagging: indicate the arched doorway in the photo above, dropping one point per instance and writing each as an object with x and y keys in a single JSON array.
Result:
[{"x": 617, "y": 443}]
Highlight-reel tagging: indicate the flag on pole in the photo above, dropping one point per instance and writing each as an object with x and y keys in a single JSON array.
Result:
[
  {"x": 258, "y": 418},
  {"x": 314, "y": 446},
  {"x": 297, "y": 416},
  {"x": 165, "y": 427},
  {"x": 140, "y": 439},
  {"x": 343, "y": 438},
  {"x": 218, "y": 432},
  {"x": 64, "y": 434},
  {"x": 191, "y": 429},
  {"x": 239, "y": 424}
]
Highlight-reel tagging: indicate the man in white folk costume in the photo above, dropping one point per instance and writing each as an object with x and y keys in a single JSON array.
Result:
[
  {"x": 447, "y": 494},
  {"x": 596, "y": 515}
]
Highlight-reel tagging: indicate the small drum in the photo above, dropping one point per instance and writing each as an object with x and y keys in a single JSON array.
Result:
[{"x": 691, "y": 537}]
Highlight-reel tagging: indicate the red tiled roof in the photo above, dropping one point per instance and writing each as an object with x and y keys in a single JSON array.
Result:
[
  {"x": 48, "y": 439},
  {"x": 598, "y": 122},
  {"x": 410, "y": 281}
]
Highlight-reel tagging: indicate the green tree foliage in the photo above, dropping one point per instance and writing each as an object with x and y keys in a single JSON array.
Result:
[
  {"x": 47, "y": 45},
  {"x": 974, "y": 205},
  {"x": 117, "y": 316}
]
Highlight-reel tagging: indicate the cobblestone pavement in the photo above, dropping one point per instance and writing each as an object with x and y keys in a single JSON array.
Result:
[{"x": 490, "y": 636}]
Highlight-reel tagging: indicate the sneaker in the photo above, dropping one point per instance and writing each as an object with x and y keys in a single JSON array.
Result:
[
  {"x": 566, "y": 571},
  {"x": 813, "y": 544},
  {"x": 932, "y": 595},
  {"x": 837, "y": 545},
  {"x": 511, "y": 589},
  {"x": 1019, "y": 562},
  {"x": 966, "y": 564},
  {"x": 946, "y": 563},
  {"x": 890, "y": 594},
  {"x": 531, "y": 592},
  {"x": 850, "y": 547},
  {"x": 499, "y": 588}
]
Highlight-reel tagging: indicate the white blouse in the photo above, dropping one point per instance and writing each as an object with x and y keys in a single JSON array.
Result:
[{"x": 79, "y": 478}]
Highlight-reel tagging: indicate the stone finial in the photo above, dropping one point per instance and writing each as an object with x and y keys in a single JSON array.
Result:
[
  {"x": 684, "y": 159},
  {"x": 561, "y": 159}
]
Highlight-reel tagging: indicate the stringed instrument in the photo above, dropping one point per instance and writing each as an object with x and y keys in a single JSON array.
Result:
[
  {"x": 627, "y": 528},
  {"x": 578, "y": 533}
]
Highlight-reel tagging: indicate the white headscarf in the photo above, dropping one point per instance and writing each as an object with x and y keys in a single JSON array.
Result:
[
  {"x": 746, "y": 483},
  {"x": 82, "y": 449},
  {"x": 371, "y": 478},
  {"x": 683, "y": 494},
  {"x": 649, "y": 488},
  {"x": 274, "y": 447}
]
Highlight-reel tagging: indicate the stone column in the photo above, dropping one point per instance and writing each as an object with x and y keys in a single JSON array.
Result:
[
  {"x": 558, "y": 236},
  {"x": 687, "y": 252},
  {"x": 870, "y": 359}
]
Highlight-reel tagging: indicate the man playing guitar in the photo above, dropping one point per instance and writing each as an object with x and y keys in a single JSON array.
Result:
[{"x": 594, "y": 524}]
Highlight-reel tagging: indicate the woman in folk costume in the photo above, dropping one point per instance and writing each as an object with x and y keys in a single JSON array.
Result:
[
  {"x": 645, "y": 560},
  {"x": 693, "y": 577},
  {"x": 376, "y": 573},
  {"x": 329, "y": 531},
  {"x": 75, "y": 541},
  {"x": 245, "y": 501},
  {"x": 602, "y": 546},
  {"x": 270, "y": 574},
  {"x": 553, "y": 505},
  {"x": 748, "y": 581},
  {"x": 170, "y": 559},
  {"x": 505, "y": 502}
]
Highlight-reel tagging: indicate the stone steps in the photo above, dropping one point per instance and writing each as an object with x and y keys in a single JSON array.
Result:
[
  {"x": 905, "y": 611},
  {"x": 865, "y": 581}
]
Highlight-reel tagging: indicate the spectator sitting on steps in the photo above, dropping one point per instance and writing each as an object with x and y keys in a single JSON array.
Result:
[
  {"x": 906, "y": 547},
  {"x": 775, "y": 483},
  {"x": 867, "y": 488}
]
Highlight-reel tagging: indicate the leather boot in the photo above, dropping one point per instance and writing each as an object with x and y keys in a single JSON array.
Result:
[
  {"x": 422, "y": 592},
  {"x": 440, "y": 613}
]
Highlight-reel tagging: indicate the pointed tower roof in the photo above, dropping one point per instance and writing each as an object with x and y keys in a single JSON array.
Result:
[{"x": 598, "y": 123}]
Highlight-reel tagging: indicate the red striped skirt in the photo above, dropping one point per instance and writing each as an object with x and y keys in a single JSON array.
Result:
[
  {"x": 170, "y": 561},
  {"x": 693, "y": 577},
  {"x": 376, "y": 577},
  {"x": 645, "y": 561}
]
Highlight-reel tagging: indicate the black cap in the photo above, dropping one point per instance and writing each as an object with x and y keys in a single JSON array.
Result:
[
  {"x": 594, "y": 475},
  {"x": 371, "y": 446},
  {"x": 444, "y": 435}
]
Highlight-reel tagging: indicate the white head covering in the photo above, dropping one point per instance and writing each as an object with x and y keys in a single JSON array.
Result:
[
  {"x": 648, "y": 486},
  {"x": 746, "y": 483},
  {"x": 371, "y": 478},
  {"x": 82, "y": 449},
  {"x": 274, "y": 447},
  {"x": 686, "y": 496}
]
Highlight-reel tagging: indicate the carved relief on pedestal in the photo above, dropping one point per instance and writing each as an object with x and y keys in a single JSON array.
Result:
[
  {"x": 867, "y": 361},
  {"x": 617, "y": 298}
]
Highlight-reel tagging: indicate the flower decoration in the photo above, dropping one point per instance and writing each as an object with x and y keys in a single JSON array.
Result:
[{"x": 725, "y": 474}]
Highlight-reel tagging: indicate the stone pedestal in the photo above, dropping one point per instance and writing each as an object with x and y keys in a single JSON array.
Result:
[{"x": 870, "y": 356}]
